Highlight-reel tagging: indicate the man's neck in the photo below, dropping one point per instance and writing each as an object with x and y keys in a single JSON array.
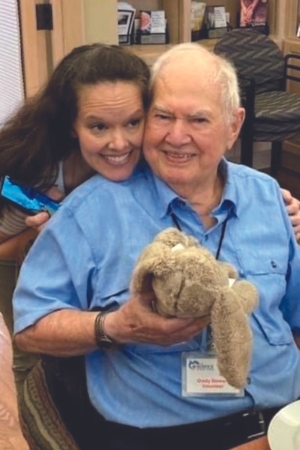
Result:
[{"x": 203, "y": 198}]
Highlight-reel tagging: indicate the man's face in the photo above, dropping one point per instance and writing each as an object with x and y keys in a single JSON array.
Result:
[{"x": 186, "y": 132}]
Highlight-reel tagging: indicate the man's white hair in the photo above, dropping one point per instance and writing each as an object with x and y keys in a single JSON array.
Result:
[{"x": 224, "y": 73}]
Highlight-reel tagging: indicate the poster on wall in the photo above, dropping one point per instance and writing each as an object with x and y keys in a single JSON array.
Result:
[
  {"x": 125, "y": 23},
  {"x": 152, "y": 27},
  {"x": 197, "y": 19},
  {"x": 253, "y": 13},
  {"x": 215, "y": 21},
  {"x": 126, "y": 15}
]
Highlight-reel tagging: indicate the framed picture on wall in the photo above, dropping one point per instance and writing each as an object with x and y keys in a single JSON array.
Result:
[
  {"x": 125, "y": 23},
  {"x": 152, "y": 27},
  {"x": 215, "y": 17},
  {"x": 253, "y": 13},
  {"x": 197, "y": 19},
  {"x": 215, "y": 21}
]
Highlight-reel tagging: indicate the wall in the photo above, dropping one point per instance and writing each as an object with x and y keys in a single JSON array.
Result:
[{"x": 100, "y": 22}]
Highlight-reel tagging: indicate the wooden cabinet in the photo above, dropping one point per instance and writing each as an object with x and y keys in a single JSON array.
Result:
[
  {"x": 177, "y": 13},
  {"x": 96, "y": 29},
  {"x": 77, "y": 22},
  {"x": 178, "y": 16},
  {"x": 100, "y": 20},
  {"x": 98, "y": 14}
]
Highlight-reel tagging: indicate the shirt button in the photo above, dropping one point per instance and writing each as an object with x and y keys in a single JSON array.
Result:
[
  {"x": 206, "y": 237},
  {"x": 181, "y": 202}
]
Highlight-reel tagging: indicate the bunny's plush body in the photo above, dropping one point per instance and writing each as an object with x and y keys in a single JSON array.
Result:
[{"x": 189, "y": 282}]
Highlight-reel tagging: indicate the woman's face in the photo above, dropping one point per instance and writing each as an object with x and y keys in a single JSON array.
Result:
[{"x": 109, "y": 127}]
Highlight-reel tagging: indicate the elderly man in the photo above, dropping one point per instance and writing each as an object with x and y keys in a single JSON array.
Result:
[{"x": 135, "y": 372}]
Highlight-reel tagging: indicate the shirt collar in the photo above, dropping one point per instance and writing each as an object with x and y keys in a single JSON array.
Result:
[
  {"x": 229, "y": 197},
  {"x": 165, "y": 195}
]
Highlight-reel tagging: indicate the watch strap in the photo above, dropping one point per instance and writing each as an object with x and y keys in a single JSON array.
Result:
[{"x": 103, "y": 341}]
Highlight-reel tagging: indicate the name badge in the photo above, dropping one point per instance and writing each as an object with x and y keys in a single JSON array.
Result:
[{"x": 201, "y": 377}]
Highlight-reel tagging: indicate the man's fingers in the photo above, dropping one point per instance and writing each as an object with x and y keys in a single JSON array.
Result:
[
  {"x": 181, "y": 330},
  {"x": 136, "y": 322}
]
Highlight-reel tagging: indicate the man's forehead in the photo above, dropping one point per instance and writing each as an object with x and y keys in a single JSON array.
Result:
[
  {"x": 189, "y": 62},
  {"x": 186, "y": 73},
  {"x": 185, "y": 84}
]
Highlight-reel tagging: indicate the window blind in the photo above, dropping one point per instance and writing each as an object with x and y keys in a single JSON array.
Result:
[{"x": 11, "y": 76}]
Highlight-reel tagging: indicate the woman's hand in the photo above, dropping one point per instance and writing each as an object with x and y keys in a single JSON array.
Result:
[
  {"x": 39, "y": 220},
  {"x": 293, "y": 209}
]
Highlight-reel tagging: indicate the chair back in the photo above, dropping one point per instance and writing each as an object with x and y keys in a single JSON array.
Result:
[{"x": 255, "y": 56}]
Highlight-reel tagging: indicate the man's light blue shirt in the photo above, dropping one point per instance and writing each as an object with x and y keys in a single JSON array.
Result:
[{"x": 84, "y": 259}]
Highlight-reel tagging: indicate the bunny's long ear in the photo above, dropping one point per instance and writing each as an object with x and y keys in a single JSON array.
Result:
[
  {"x": 233, "y": 338},
  {"x": 152, "y": 262}
]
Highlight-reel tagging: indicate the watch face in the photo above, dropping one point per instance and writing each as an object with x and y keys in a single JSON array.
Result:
[{"x": 106, "y": 344}]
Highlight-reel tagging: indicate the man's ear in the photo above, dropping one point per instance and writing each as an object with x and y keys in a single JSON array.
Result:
[{"x": 235, "y": 126}]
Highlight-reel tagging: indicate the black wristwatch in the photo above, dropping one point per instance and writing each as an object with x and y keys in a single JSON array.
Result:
[{"x": 103, "y": 341}]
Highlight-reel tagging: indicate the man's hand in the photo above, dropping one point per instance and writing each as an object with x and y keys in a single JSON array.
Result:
[
  {"x": 135, "y": 322},
  {"x": 293, "y": 209},
  {"x": 70, "y": 332}
]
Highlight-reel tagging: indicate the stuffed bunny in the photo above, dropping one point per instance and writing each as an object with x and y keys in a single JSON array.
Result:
[{"x": 189, "y": 282}]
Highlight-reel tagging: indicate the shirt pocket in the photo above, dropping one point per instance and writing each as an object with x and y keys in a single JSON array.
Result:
[
  {"x": 268, "y": 273},
  {"x": 262, "y": 262}
]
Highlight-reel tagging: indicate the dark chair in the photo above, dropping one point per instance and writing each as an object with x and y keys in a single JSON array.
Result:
[{"x": 272, "y": 113}]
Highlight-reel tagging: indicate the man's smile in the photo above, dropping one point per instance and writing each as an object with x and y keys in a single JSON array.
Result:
[{"x": 178, "y": 156}]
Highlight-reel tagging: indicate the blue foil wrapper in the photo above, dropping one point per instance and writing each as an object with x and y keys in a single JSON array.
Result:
[{"x": 27, "y": 198}]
